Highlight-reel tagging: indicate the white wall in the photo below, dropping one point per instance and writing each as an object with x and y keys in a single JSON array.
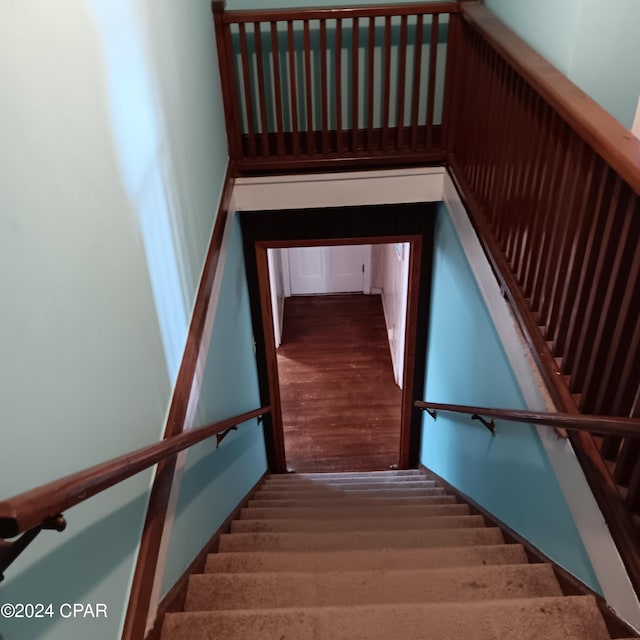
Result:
[
  {"x": 113, "y": 157},
  {"x": 277, "y": 286},
  {"x": 390, "y": 266}
]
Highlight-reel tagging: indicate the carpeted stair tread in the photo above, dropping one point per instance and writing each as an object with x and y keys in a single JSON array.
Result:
[
  {"x": 391, "y": 473},
  {"x": 359, "y": 560},
  {"x": 355, "y": 511},
  {"x": 300, "y": 485},
  {"x": 358, "y": 539},
  {"x": 566, "y": 618},
  {"x": 336, "y": 512},
  {"x": 356, "y": 494},
  {"x": 321, "y": 501},
  {"x": 341, "y": 588},
  {"x": 357, "y": 524}
]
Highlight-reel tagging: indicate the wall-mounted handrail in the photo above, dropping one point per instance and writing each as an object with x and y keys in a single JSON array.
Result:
[
  {"x": 32, "y": 508},
  {"x": 605, "y": 425}
]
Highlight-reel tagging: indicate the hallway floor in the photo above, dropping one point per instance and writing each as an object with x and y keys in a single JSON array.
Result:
[{"x": 340, "y": 403}]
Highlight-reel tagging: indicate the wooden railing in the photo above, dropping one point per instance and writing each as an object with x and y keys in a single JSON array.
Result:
[
  {"x": 580, "y": 422},
  {"x": 43, "y": 506},
  {"x": 325, "y": 87},
  {"x": 551, "y": 184}
]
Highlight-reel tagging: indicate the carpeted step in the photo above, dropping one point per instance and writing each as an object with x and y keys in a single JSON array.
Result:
[
  {"x": 360, "y": 560},
  {"x": 350, "y": 588},
  {"x": 357, "y": 524},
  {"x": 358, "y": 540},
  {"x": 551, "y": 618},
  {"x": 325, "y": 493},
  {"x": 353, "y": 501},
  {"x": 300, "y": 485},
  {"x": 355, "y": 511},
  {"x": 390, "y": 473}
]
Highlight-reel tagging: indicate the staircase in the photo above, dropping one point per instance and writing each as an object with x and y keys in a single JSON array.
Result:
[{"x": 370, "y": 556}]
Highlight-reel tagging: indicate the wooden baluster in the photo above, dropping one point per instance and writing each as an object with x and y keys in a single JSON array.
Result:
[
  {"x": 248, "y": 89},
  {"x": 371, "y": 82},
  {"x": 308, "y": 81},
  {"x": 569, "y": 338},
  {"x": 402, "y": 83},
  {"x": 616, "y": 307},
  {"x": 415, "y": 88},
  {"x": 323, "y": 87},
  {"x": 627, "y": 458},
  {"x": 431, "y": 91},
  {"x": 293, "y": 89},
  {"x": 339, "y": 145},
  {"x": 355, "y": 83},
  {"x": 386, "y": 98},
  {"x": 277, "y": 88},
  {"x": 262, "y": 101}
]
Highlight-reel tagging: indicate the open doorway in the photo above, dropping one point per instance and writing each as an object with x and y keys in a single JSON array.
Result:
[
  {"x": 369, "y": 224},
  {"x": 339, "y": 315}
]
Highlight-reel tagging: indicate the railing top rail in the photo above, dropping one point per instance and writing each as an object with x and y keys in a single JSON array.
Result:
[
  {"x": 328, "y": 13},
  {"x": 27, "y": 510},
  {"x": 616, "y": 144},
  {"x": 608, "y": 425}
]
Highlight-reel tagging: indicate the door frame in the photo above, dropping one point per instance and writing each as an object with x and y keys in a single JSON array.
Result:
[{"x": 378, "y": 224}]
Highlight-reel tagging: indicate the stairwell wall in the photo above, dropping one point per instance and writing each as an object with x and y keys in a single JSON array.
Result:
[
  {"x": 113, "y": 161},
  {"x": 594, "y": 43},
  {"x": 510, "y": 473}
]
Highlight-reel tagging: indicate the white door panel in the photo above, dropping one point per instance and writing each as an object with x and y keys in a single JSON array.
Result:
[{"x": 337, "y": 269}]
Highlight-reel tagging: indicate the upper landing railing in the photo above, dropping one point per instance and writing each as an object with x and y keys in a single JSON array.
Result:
[{"x": 320, "y": 87}]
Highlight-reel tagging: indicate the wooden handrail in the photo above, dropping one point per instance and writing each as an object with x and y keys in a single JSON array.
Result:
[
  {"x": 616, "y": 144},
  {"x": 30, "y": 509},
  {"x": 329, "y": 13},
  {"x": 605, "y": 425}
]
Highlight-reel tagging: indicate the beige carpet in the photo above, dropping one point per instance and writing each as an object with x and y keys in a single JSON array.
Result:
[{"x": 373, "y": 556}]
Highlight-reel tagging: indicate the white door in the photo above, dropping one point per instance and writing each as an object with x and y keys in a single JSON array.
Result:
[{"x": 338, "y": 269}]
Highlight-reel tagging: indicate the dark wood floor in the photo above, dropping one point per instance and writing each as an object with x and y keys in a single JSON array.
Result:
[{"x": 340, "y": 403}]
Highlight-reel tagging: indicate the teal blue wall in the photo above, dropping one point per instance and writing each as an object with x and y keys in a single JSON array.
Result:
[
  {"x": 113, "y": 159},
  {"x": 595, "y": 43},
  {"x": 509, "y": 474},
  {"x": 216, "y": 480}
]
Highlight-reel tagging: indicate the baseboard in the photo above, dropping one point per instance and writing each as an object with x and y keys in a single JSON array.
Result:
[
  {"x": 175, "y": 598},
  {"x": 570, "y": 585}
]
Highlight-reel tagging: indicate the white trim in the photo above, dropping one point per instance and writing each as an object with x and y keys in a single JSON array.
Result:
[
  {"x": 345, "y": 189},
  {"x": 604, "y": 556}
]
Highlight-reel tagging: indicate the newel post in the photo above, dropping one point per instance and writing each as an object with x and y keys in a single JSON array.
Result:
[{"x": 227, "y": 79}]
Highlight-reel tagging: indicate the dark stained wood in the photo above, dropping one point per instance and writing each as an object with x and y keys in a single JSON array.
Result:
[
  {"x": 386, "y": 96},
  {"x": 606, "y": 135},
  {"x": 293, "y": 93},
  {"x": 355, "y": 83},
  {"x": 431, "y": 92},
  {"x": 277, "y": 87},
  {"x": 267, "y": 15},
  {"x": 580, "y": 422},
  {"x": 323, "y": 86},
  {"x": 415, "y": 89},
  {"x": 402, "y": 83},
  {"x": 339, "y": 146},
  {"x": 262, "y": 101},
  {"x": 371, "y": 79},
  {"x": 308, "y": 82},
  {"x": 347, "y": 225},
  {"x": 340, "y": 404},
  {"x": 246, "y": 78}
]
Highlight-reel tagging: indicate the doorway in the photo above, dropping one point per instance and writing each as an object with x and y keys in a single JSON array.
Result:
[
  {"x": 371, "y": 224},
  {"x": 339, "y": 318}
]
